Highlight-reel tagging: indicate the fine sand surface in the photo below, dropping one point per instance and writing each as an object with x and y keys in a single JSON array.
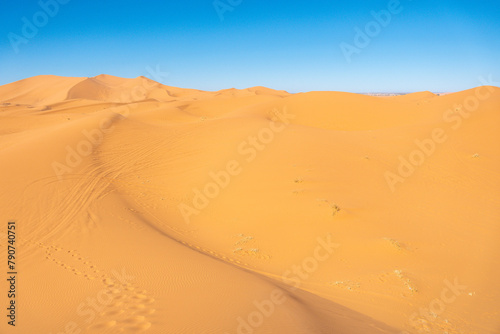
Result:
[{"x": 146, "y": 208}]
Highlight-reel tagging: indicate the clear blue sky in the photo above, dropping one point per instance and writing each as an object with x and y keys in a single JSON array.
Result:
[{"x": 293, "y": 45}]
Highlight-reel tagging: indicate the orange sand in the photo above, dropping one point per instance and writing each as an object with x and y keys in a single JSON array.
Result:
[{"x": 146, "y": 208}]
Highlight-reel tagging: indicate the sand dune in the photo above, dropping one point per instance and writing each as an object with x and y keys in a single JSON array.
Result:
[{"x": 142, "y": 207}]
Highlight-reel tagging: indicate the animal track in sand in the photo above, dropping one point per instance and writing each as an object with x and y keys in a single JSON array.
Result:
[
  {"x": 401, "y": 277},
  {"x": 298, "y": 180},
  {"x": 131, "y": 223},
  {"x": 396, "y": 244},
  {"x": 128, "y": 307},
  {"x": 72, "y": 261},
  {"x": 406, "y": 281},
  {"x": 242, "y": 248},
  {"x": 348, "y": 285},
  {"x": 333, "y": 206},
  {"x": 215, "y": 254},
  {"x": 432, "y": 323}
]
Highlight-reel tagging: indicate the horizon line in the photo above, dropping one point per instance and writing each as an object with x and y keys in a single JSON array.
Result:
[{"x": 367, "y": 93}]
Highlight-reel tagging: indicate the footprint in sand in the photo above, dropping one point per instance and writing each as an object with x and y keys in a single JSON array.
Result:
[
  {"x": 396, "y": 244},
  {"x": 242, "y": 248},
  {"x": 73, "y": 261},
  {"x": 214, "y": 254},
  {"x": 129, "y": 308},
  {"x": 398, "y": 276},
  {"x": 348, "y": 285}
]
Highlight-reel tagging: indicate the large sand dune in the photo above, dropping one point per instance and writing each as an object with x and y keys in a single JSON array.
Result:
[{"x": 147, "y": 208}]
